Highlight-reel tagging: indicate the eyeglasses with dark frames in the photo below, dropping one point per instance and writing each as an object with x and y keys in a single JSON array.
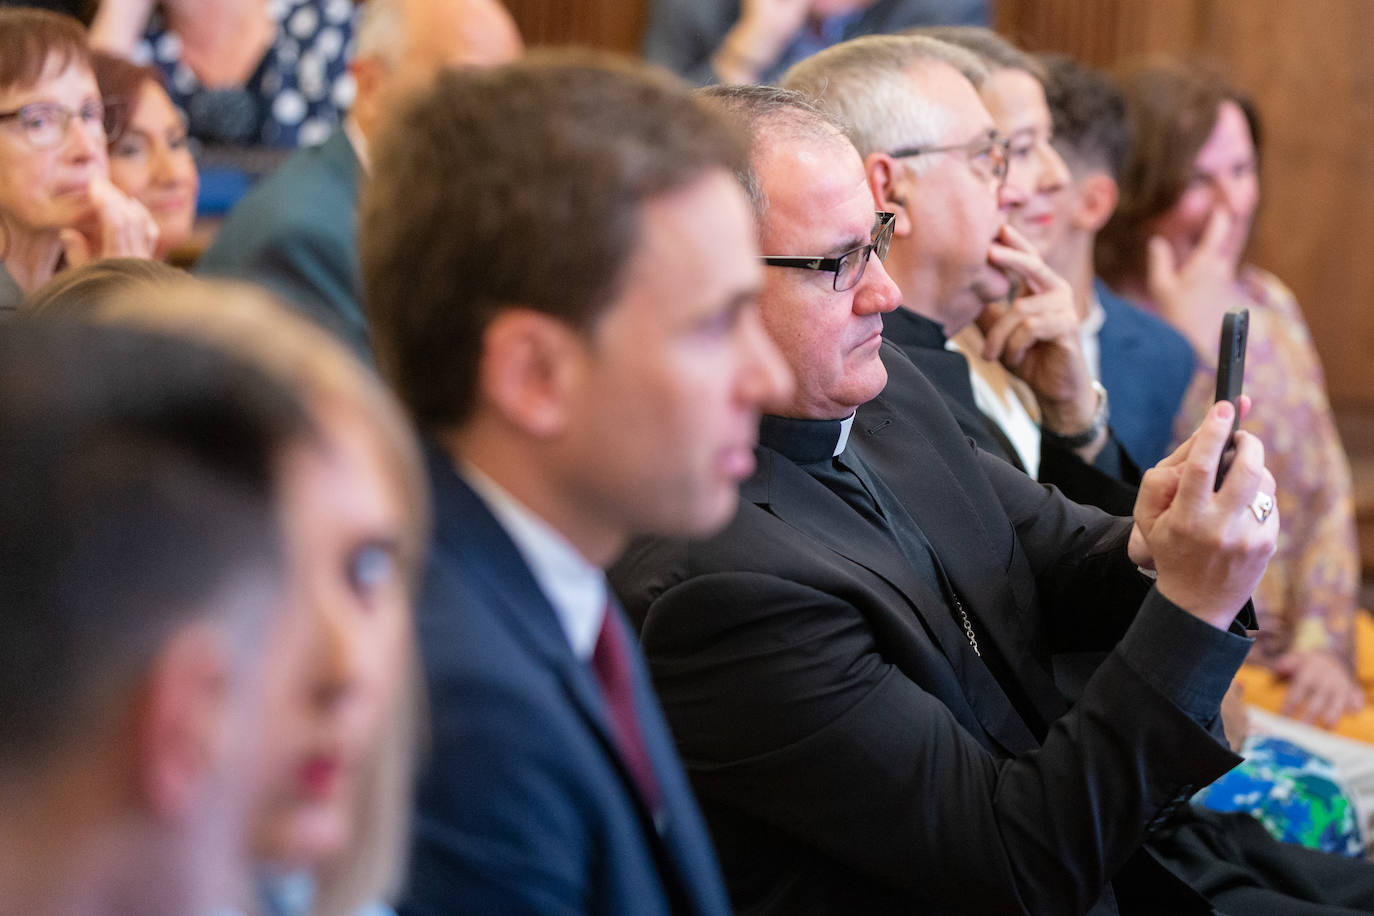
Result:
[
  {"x": 988, "y": 154},
  {"x": 848, "y": 266},
  {"x": 46, "y": 124}
]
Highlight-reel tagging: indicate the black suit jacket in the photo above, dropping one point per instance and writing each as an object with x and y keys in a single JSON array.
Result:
[
  {"x": 1109, "y": 483},
  {"x": 852, "y": 754}
]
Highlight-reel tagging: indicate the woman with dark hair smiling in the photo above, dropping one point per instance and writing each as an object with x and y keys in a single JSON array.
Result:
[
  {"x": 149, "y": 156},
  {"x": 1176, "y": 243}
]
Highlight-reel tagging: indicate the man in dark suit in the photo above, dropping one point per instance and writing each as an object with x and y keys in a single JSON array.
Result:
[
  {"x": 856, "y": 669},
  {"x": 1144, "y": 363},
  {"x": 294, "y": 232},
  {"x": 583, "y": 349},
  {"x": 932, "y": 156}
]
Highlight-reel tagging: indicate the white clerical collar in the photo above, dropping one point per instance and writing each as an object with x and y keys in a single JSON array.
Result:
[
  {"x": 575, "y": 588},
  {"x": 845, "y": 426}
]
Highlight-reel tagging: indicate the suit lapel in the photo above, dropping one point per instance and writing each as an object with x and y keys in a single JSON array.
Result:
[
  {"x": 940, "y": 490},
  {"x": 794, "y": 497},
  {"x": 491, "y": 558}
]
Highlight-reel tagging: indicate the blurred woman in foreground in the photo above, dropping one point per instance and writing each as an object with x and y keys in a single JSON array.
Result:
[{"x": 330, "y": 828}]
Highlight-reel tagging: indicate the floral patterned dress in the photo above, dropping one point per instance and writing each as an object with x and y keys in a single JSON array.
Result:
[{"x": 1307, "y": 598}]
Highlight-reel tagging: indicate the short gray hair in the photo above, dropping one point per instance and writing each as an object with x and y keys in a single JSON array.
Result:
[
  {"x": 865, "y": 84},
  {"x": 992, "y": 49}
]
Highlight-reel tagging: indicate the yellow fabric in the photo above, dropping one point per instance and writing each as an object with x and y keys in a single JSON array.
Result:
[{"x": 1265, "y": 690}]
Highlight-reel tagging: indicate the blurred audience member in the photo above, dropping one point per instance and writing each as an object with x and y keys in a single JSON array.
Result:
[
  {"x": 567, "y": 308},
  {"x": 295, "y": 232},
  {"x": 246, "y": 72},
  {"x": 84, "y": 290},
  {"x": 1176, "y": 244},
  {"x": 149, "y": 157},
  {"x": 140, "y": 559},
  {"x": 331, "y": 824},
  {"x": 1144, "y": 364},
  {"x": 57, "y": 205},
  {"x": 755, "y": 41}
]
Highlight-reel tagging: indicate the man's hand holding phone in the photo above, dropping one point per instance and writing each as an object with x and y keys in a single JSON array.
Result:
[{"x": 1208, "y": 546}]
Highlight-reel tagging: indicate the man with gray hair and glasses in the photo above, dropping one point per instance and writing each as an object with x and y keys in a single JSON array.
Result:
[{"x": 933, "y": 157}]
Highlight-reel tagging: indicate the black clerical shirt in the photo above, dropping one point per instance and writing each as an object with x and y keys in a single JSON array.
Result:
[{"x": 821, "y": 448}]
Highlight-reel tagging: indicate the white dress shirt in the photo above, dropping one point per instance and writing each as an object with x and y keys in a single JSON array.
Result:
[{"x": 576, "y": 589}]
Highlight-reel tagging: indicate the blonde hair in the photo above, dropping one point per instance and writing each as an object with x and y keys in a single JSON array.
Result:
[{"x": 247, "y": 322}]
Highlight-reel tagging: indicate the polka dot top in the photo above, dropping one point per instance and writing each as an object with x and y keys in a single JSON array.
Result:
[{"x": 298, "y": 94}]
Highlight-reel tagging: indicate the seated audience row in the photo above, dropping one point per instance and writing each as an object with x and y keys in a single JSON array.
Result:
[{"x": 659, "y": 355}]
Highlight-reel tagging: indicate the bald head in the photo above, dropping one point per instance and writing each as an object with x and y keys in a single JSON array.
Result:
[
  {"x": 458, "y": 33},
  {"x": 404, "y": 44}
]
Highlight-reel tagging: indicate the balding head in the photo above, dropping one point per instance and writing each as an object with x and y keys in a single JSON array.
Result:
[
  {"x": 404, "y": 44},
  {"x": 767, "y": 116}
]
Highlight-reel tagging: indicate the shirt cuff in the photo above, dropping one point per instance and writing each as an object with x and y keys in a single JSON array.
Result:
[{"x": 1186, "y": 659}]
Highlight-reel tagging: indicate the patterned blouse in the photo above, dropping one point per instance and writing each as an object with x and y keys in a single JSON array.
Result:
[
  {"x": 298, "y": 94},
  {"x": 1307, "y": 598}
]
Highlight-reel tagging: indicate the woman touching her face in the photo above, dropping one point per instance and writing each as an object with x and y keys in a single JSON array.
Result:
[
  {"x": 150, "y": 159},
  {"x": 1177, "y": 245},
  {"x": 57, "y": 205}
]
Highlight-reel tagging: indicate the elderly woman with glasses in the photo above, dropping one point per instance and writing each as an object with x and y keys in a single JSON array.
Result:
[{"x": 57, "y": 205}]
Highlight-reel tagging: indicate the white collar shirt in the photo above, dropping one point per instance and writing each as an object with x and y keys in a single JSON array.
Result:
[{"x": 576, "y": 589}]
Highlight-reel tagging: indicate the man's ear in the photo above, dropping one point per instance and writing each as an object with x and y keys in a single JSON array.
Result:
[
  {"x": 885, "y": 180},
  {"x": 1097, "y": 199},
  {"x": 529, "y": 365},
  {"x": 369, "y": 76},
  {"x": 183, "y": 718}
]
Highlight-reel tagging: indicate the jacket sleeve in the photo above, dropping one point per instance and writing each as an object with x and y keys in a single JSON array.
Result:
[{"x": 786, "y": 711}]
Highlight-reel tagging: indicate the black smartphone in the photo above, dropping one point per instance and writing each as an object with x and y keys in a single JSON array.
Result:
[{"x": 1235, "y": 330}]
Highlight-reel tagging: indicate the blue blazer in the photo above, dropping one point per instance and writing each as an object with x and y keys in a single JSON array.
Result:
[
  {"x": 1146, "y": 368},
  {"x": 526, "y": 806}
]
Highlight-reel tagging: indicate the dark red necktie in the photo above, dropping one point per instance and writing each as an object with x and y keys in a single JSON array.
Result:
[{"x": 611, "y": 663}]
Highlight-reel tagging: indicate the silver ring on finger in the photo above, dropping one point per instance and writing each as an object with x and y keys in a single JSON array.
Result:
[{"x": 1262, "y": 506}]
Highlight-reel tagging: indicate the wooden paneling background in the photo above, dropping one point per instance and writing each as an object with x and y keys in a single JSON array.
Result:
[
  {"x": 1308, "y": 66},
  {"x": 613, "y": 24}
]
